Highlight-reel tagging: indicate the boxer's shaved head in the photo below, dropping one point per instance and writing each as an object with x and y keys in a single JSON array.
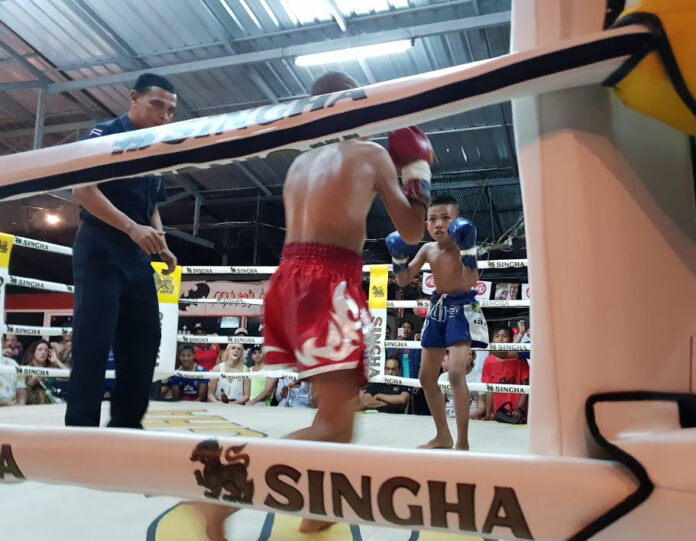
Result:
[{"x": 334, "y": 81}]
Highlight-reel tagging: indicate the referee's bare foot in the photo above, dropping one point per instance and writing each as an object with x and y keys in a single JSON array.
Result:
[
  {"x": 462, "y": 446},
  {"x": 310, "y": 525},
  {"x": 438, "y": 442}
]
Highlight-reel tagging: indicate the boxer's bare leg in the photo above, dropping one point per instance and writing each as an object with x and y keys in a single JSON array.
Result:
[{"x": 335, "y": 393}]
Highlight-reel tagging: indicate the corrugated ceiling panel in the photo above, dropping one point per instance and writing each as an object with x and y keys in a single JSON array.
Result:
[
  {"x": 54, "y": 30},
  {"x": 158, "y": 26}
]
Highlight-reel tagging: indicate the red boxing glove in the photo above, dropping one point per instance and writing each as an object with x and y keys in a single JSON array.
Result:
[{"x": 411, "y": 151}]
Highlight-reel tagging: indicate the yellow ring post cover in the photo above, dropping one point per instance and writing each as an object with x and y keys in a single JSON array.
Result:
[
  {"x": 168, "y": 285},
  {"x": 650, "y": 86},
  {"x": 6, "y": 244},
  {"x": 379, "y": 275}
]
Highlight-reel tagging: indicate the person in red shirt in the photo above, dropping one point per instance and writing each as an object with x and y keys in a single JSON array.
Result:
[
  {"x": 507, "y": 368},
  {"x": 206, "y": 354}
]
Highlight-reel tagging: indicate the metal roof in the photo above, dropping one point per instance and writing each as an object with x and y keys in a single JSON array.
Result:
[{"x": 81, "y": 56}]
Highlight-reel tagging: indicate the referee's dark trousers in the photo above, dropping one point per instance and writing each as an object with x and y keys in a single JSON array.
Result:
[{"x": 115, "y": 306}]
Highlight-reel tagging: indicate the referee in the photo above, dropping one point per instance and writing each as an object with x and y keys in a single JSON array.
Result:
[{"x": 115, "y": 295}]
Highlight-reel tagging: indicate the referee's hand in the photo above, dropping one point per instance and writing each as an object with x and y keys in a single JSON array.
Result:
[
  {"x": 169, "y": 259},
  {"x": 150, "y": 240}
]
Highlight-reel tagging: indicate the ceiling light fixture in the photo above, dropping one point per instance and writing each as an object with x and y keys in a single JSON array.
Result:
[
  {"x": 52, "y": 219},
  {"x": 354, "y": 53}
]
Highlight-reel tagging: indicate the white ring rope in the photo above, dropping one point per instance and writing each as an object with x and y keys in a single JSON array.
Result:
[
  {"x": 30, "y": 330},
  {"x": 425, "y": 303},
  {"x": 277, "y": 374},
  {"x": 491, "y": 264},
  {"x": 302, "y": 124},
  {"x": 42, "y": 246},
  {"x": 31, "y": 283}
]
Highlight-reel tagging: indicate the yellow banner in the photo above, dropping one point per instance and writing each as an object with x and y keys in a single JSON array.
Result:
[
  {"x": 6, "y": 243},
  {"x": 379, "y": 276},
  {"x": 168, "y": 285}
]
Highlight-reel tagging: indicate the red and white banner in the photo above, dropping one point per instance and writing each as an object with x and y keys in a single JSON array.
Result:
[
  {"x": 221, "y": 291},
  {"x": 483, "y": 290},
  {"x": 428, "y": 283},
  {"x": 525, "y": 292}
]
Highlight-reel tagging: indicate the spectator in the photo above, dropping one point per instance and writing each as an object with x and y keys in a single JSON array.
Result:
[
  {"x": 254, "y": 356},
  {"x": 11, "y": 347},
  {"x": 66, "y": 356},
  {"x": 13, "y": 389},
  {"x": 206, "y": 354},
  {"x": 294, "y": 393},
  {"x": 523, "y": 337},
  {"x": 409, "y": 359},
  {"x": 507, "y": 368},
  {"x": 478, "y": 402},
  {"x": 57, "y": 345},
  {"x": 183, "y": 388},
  {"x": 384, "y": 397},
  {"x": 261, "y": 390},
  {"x": 229, "y": 391},
  {"x": 60, "y": 385},
  {"x": 41, "y": 390}
]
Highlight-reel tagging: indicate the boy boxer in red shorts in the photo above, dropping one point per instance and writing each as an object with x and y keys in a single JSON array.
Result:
[{"x": 316, "y": 316}]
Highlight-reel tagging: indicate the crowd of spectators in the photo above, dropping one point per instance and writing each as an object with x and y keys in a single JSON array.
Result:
[
  {"x": 508, "y": 367},
  {"x": 29, "y": 390}
]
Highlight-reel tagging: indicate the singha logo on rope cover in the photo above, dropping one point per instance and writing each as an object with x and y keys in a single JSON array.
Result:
[
  {"x": 227, "y": 480},
  {"x": 4, "y": 246},
  {"x": 377, "y": 291},
  {"x": 164, "y": 284}
]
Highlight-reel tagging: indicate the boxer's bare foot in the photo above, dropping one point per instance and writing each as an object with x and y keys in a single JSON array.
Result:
[{"x": 438, "y": 442}]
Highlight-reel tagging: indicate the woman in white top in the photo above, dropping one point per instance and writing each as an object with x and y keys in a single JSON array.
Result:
[{"x": 224, "y": 390}]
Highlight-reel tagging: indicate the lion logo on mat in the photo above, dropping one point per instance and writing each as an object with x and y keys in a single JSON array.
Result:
[
  {"x": 164, "y": 284},
  {"x": 229, "y": 480}
]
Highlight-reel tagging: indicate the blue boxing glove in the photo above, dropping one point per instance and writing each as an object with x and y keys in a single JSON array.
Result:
[
  {"x": 463, "y": 234},
  {"x": 400, "y": 252}
]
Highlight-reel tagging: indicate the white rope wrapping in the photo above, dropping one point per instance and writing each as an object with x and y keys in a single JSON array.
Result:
[
  {"x": 31, "y": 283},
  {"x": 444, "y": 385},
  {"x": 25, "y": 242},
  {"x": 42, "y": 246},
  {"x": 425, "y": 303},
  {"x": 30, "y": 330},
  {"x": 494, "y": 264},
  {"x": 420, "y": 303},
  {"x": 276, "y": 374},
  {"x": 414, "y": 344},
  {"x": 227, "y": 270},
  {"x": 215, "y": 339}
]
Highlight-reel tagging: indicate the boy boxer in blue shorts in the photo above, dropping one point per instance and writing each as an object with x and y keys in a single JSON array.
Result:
[{"x": 455, "y": 320}]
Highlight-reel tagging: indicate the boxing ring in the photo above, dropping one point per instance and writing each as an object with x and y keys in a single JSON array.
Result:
[{"x": 608, "y": 197}]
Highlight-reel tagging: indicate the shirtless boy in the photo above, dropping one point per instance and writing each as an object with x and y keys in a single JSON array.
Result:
[
  {"x": 455, "y": 320},
  {"x": 316, "y": 316}
]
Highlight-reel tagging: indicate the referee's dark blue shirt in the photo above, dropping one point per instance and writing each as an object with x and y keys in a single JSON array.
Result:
[{"x": 135, "y": 197}]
